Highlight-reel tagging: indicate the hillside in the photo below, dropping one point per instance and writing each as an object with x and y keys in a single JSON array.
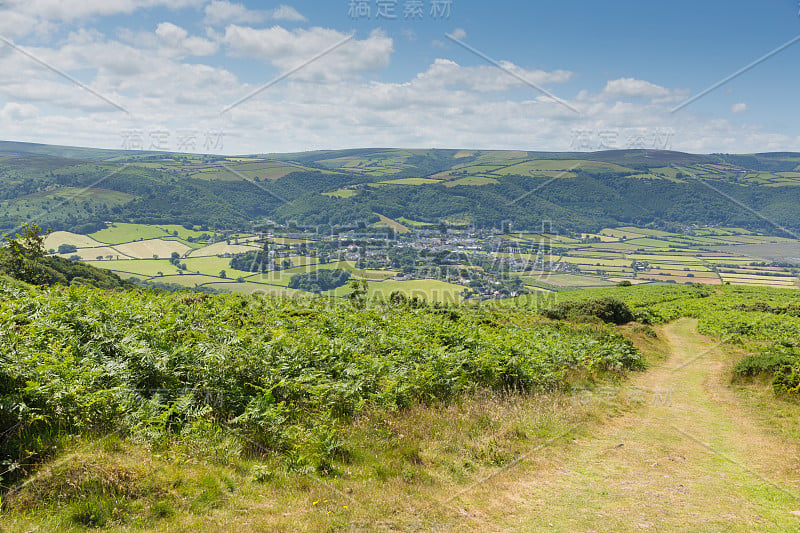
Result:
[
  {"x": 25, "y": 259},
  {"x": 139, "y": 411},
  {"x": 79, "y": 189}
]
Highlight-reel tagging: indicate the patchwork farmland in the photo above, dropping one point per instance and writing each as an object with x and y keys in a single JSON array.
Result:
[{"x": 195, "y": 259}]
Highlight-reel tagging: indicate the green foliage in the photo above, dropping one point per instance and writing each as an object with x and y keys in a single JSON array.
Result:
[
  {"x": 67, "y": 249},
  {"x": 780, "y": 362},
  {"x": 358, "y": 293},
  {"x": 94, "y": 512},
  {"x": 606, "y": 190},
  {"x": 650, "y": 304},
  {"x": 609, "y": 310},
  {"x": 747, "y": 316},
  {"x": 23, "y": 258},
  {"x": 279, "y": 377},
  {"x": 769, "y": 361},
  {"x": 252, "y": 261},
  {"x": 320, "y": 280},
  {"x": 786, "y": 380}
]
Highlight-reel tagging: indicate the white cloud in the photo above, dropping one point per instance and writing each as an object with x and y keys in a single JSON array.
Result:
[
  {"x": 14, "y": 111},
  {"x": 336, "y": 102},
  {"x": 739, "y": 108},
  {"x": 284, "y": 12},
  {"x": 141, "y": 80},
  {"x": 447, "y": 73},
  {"x": 287, "y": 49},
  {"x": 15, "y": 24},
  {"x": 220, "y": 12},
  {"x": 409, "y": 34},
  {"x": 458, "y": 33},
  {"x": 630, "y": 87},
  {"x": 67, "y": 10},
  {"x": 178, "y": 41}
]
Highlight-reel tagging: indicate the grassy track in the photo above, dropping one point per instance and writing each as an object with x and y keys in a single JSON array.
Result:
[{"x": 688, "y": 459}]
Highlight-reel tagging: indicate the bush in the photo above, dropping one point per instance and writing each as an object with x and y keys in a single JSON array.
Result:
[
  {"x": 67, "y": 249},
  {"x": 609, "y": 310},
  {"x": 768, "y": 362},
  {"x": 320, "y": 280},
  {"x": 786, "y": 380},
  {"x": 781, "y": 361}
]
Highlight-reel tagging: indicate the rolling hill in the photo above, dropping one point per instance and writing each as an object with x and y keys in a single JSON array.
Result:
[{"x": 77, "y": 189}]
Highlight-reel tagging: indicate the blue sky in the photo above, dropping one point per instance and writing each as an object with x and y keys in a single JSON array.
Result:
[{"x": 157, "y": 74}]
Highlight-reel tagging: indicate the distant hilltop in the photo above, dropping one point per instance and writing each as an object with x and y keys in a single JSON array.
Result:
[{"x": 79, "y": 189}]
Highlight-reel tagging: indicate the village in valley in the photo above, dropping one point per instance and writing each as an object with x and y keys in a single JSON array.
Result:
[{"x": 439, "y": 262}]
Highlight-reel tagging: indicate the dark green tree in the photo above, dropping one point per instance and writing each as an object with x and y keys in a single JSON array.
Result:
[
  {"x": 24, "y": 253},
  {"x": 358, "y": 295}
]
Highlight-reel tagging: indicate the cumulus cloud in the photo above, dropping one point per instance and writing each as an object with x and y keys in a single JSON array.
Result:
[
  {"x": 178, "y": 41},
  {"x": 739, "y": 108},
  {"x": 284, "y": 12},
  {"x": 131, "y": 77},
  {"x": 447, "y": 73},
  {"x": 632, "y": 87},
  {"x": 287, "y": 49},
  {"x": 15, "y": 24},
  {"x": 15, "y": 111},
  {"x": 342, "y": 100},
  {"x": 220, "y": 12}
]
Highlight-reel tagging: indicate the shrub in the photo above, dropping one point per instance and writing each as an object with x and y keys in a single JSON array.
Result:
[
  {"x": 786, "y": 380},
  {"x": 768, "y": 362},
  {"x": 67, "y": 249},
  {"x": 609, "y": 310}
]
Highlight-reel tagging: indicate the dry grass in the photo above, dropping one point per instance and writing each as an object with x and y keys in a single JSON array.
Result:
[
  {"x": 395, "y": 471},
  {"x": 151, "y": 248}
]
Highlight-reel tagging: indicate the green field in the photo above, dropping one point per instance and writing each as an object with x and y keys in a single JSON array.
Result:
[
  {"x": 188, "y": 280},
  {"x": 427, "y": 289},
  {"x": 182, "y": 232},
  {"x": 599, "y": 263},
  {"x": 122, "y": 232},
  {"x": 342, "y": 193},
  {"x": 411, "y": 181},
  {"x": 142, "y": 267},
  {"x": 213, "y": 265},
  {"x": 69, "y": 194},
  {"x": 249, "y": 171},
  {"x": 473, "y": 181},
  {"x": 257, "y": 288}
]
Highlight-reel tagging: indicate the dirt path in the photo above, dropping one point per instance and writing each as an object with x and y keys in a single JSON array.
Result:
[{"x": 688, "y": 459}]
